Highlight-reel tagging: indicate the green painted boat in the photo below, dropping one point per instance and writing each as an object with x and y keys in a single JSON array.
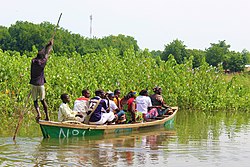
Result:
[{"x": 51, "y": 129}]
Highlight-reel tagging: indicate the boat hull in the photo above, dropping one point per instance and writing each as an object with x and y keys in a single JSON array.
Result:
[{"x": 52, "y": 129}]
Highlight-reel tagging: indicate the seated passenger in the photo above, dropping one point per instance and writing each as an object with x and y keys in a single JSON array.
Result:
[
  {"x": 124, "y": 102},
  {"x": 65, "y": 113},
  {"x": 131, "y": 106},
  {"x": 117, "y": 98},
  {"x": 82, "y": 103},
  {"x": 113, "y": 107},
  {"x": 144, "y": 105},
  {"x": 158, "y": 102},
  {"x": 99, "y": 113}
]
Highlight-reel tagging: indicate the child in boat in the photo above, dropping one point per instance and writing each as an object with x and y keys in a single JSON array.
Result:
[{"x": 65, "y": 113}]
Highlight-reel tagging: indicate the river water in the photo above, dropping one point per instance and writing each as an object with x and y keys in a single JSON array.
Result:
[{"x": 198, "y": 139}]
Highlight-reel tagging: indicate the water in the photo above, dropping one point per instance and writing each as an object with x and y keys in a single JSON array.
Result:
[{"x": 199, "y": 139}]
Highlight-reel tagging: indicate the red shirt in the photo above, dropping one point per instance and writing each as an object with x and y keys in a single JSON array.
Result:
[{"x": 130, "y": 102}]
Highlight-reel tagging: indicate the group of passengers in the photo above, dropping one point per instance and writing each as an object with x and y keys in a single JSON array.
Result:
[
  {"x": 103, "y": 108},
  {"x": 109, "y": 108}
]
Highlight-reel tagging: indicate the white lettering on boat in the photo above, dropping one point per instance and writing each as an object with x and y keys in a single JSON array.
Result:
[
  {"x": 66, "y": 134},
  {"x": 75, "y": 132},
  {"x": 62, "y": 133}
]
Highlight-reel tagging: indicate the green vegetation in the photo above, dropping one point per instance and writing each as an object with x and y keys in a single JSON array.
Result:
[
  {"x": 191, "y": 79},
  {"x": 25, "y": 37},
  {"x": 204, "y": 88},
  {"x": 215, "y": 55}
]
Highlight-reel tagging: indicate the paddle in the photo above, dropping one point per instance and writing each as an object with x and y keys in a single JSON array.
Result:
[
  {"x": 57, "y": 25},
  {"x": 25, "y": 106},
  {"x": 20, "y": 120}
]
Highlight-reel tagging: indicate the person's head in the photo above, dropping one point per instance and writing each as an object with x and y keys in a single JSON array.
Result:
[
  {"x": 157, "y": 90},
  {"x": 40, "y": 54},
  {"x": 143, "y": 92},
  {"x": 117, "y": 92},
  {"x": 100, "y": 93},
  {"x": 65, "y": 98},
  {"x": 86, "y": 93},
  {"x": 111, "y": 95},
  {"x": 132, "y": 93}
]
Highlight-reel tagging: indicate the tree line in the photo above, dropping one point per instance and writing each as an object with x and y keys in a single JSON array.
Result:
[{"x": 25, "y": 37}]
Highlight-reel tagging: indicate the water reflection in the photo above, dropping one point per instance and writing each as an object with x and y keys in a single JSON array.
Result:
[
  {"x": 108, "y": 151},
  {"x": 199, "y": 139}
]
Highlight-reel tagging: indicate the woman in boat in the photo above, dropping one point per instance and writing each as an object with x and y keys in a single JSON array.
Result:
[
  {"x": 158, "y": 102},
  {"x": 65, "y": 113},
  {"x": 124, "y": 102},
  {"x": 132, "y": 106}
]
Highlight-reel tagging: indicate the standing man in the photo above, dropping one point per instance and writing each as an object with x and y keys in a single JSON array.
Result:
[{"x": 37, "y": 79}]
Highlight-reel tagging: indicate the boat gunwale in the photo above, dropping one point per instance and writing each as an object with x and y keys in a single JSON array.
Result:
[{"x": 103, "y": 127}]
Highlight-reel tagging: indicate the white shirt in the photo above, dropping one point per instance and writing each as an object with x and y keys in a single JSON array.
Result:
[
  {"x": 81, "y": 105},
  {"x": 142, "y": 103},
  {"x": 65, "y": 113},
  {"x": 112, "y": 105}
]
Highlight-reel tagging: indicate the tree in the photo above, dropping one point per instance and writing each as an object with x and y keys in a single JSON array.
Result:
[
  {"x": 198, "y": 56},
  {"x": 5, "y": 38},
  {"x": 177, "y": 49},
  {"x": 246, "y": 56},
  {"x": 120, "y": 42},
  {"x": 215, "y": 54},
  {"x": 156, "y": 53},
  {"x": 22, "y": 36},
  {"x": 234, "y": 62}
]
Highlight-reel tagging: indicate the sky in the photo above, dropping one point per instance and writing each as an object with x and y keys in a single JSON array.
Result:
[{"x": 153, "y": 23}]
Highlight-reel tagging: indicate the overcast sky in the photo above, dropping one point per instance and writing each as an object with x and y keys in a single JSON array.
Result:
[{"x": 153, "y": 23}]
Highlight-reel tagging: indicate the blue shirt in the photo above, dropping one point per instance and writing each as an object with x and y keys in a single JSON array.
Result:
[{"x": 97, "y": 114}]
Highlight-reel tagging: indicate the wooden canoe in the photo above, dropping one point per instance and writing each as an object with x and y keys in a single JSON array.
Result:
[{"x": 51, "y": 129}]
